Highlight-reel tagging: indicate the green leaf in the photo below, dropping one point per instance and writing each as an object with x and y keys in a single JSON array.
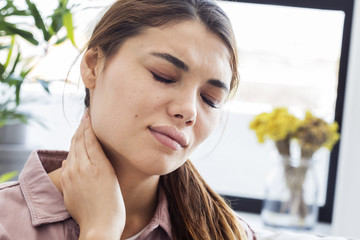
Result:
[
  {"x": 20, "y": 13},
  {"x": 8, "y": 5},
  {"x": 61, "y": 40},
  {"x": 12, "y": 114},
  {"x": 11, "y": 29},
  {"x": 39, "y": 23},
  {"x": 56, "y": 23},
  {"x": 17, "y": 92},
  {"x": 8, "y": 176},
  {"x": 13, "y": 80},
  {"x": 45, "y": 85},
  {"x": 10, "y": 52},
  {"x": 63, "y": 3},
  {"x": 2, "y": 69},
  {"x": 23, "y": 118},
  {"x": 24, "y": 73},
  {"x": 10, "y": 10},
  {"x": 15, "y": 63},
  {"x": 68, "y": 23}
]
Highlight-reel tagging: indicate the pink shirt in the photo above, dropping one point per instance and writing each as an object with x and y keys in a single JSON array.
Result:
[{"x": 32, "y": 208}]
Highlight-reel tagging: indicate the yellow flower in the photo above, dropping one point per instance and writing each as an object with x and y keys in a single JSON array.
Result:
[
  {"x": 314, "y": 133},
  {"x": 280, "y": 126},
  {"x": 333, "y": 137},
  {"x": 259, "y": 125},
  {"x": 276, "y": 125}
]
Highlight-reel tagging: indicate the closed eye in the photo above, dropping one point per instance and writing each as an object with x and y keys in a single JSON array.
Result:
[
  {"x": 161, "y": 79},
  {"x": 206, "y": 99},
  {"x": 209, "y": 102}
]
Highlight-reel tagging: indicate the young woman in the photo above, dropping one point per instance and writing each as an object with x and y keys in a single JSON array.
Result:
[{"x": 157, "y": 73}]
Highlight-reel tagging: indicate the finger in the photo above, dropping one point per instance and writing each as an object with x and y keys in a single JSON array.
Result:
[
  {"x": 93, "y": 147},
  {"x": 64, "y": 174},
  {"x": 63, "y": 164},
  {"x": 63, "y": 167},
  {"x": 77, "y": 137},
  {"x": 72, "y": 155},
  {"x": 74, "y": 140},
  {"x": 80, "y": 147}
]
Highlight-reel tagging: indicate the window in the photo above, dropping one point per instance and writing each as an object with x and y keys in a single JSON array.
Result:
[
  {"x": 293, "y": 54},
  {"x": 296, "y": 49}
]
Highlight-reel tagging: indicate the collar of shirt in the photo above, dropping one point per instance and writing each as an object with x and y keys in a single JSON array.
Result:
[{"x": 46, "y": 203}]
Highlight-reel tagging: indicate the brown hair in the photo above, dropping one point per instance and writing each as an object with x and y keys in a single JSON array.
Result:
[{"x": 196, "y": 211}]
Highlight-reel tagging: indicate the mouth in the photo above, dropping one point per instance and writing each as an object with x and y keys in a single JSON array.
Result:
[{"x": 169, "y": 137}]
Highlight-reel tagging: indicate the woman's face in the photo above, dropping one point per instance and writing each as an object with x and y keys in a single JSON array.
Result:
[{"x": 159, "y": 96}]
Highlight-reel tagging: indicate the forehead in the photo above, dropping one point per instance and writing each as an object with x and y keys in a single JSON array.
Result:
[{"x": 203, "y": 51}]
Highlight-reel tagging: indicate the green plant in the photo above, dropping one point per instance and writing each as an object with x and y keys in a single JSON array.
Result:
[
  {"x": 8, "y": 176},
  {"x": 18, "y": 24}
]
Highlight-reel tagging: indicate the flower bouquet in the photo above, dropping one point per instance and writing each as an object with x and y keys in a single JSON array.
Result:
[{"x": 310, "y": 133}]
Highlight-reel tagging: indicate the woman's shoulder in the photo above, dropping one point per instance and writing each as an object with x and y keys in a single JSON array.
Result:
[
  {"x": 8, "y": 185},
  {"x": 14, "y": 211},
  {"x": 21, "y": 214},
  {"x": 34, "y": 201},
  {"x": 10, "y": 195}
]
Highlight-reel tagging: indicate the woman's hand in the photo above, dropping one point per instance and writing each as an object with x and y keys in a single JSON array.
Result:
[{"x": 90, "y": 187}]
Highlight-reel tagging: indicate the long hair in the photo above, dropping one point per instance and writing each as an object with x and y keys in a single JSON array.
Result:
[{"x": 196, "y": 211}]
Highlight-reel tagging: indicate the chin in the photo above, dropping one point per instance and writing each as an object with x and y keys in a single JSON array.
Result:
[{"x": 162, "y": 167}]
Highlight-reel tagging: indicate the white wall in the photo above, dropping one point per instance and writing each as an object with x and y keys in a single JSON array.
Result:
[{"x": 347, "y": 197}]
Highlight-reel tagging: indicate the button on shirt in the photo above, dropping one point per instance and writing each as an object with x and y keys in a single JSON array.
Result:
[{"x": 33, "y": 209}]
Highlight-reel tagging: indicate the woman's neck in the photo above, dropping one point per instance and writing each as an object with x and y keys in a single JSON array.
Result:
[
  {"x": 140, "y": 198},
  {"x": 140, "y": 202}
]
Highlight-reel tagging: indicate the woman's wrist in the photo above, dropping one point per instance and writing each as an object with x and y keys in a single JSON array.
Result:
[
  {"x": 101, "y": 230},
  {"x": 100, "y": 233}
]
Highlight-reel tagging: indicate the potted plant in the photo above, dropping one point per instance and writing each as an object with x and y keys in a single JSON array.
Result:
[{"x": 28, "y": 25}]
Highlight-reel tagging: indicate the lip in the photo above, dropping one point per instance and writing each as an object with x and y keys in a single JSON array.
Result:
[{"x": 169, "y": 136}]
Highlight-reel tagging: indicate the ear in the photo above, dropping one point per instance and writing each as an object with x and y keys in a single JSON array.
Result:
[{"x": 89, "y": 67}]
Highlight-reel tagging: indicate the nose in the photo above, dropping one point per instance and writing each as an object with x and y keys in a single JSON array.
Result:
[{"x": 183, "y": 108}]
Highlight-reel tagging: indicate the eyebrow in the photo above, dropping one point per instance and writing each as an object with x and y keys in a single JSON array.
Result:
[
  {"x": 174, "y": 60},
  {"x": 183, "y": 66},
  {"x": 219, "y": 84}
]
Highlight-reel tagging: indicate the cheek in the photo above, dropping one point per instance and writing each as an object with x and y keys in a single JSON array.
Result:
[
  {"x": 109, "y": 113},
  {"x": 205, "y": 126},
  {"x": 120, "y": 112}
]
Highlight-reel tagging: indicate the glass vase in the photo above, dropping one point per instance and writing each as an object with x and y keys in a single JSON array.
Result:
[{"x": 291, "y": 194}]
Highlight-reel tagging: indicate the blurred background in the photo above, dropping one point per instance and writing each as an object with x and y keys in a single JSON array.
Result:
[{"x": 301, "y": 55}]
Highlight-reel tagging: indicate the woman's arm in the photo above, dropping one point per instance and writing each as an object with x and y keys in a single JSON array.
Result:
[{"x": 90, "y": 187}]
